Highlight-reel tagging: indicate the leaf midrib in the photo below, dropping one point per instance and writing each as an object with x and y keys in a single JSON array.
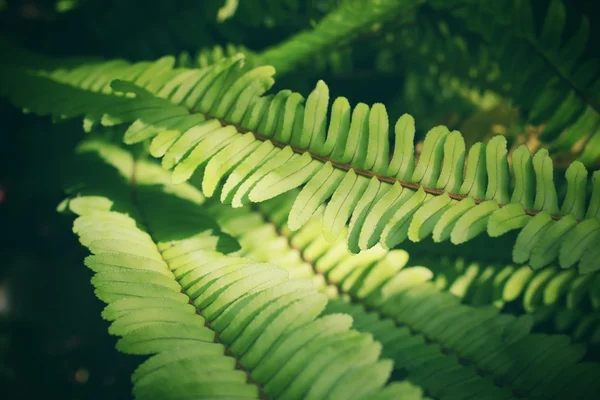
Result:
[
  {"x": 217, "y": 339},
  {"x": 379, "y": 313},
  {"x": 364, "y": 172}
]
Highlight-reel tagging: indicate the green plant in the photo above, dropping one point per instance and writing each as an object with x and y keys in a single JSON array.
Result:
[{"x": 292, "y": 247}]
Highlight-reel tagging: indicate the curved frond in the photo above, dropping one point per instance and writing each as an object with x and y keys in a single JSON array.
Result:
[
  {"x": 350, "y": 19},
  {"x": 243, "y": 327},
  {"x": 256, "y": 242},
  {"x": 546, "y": 69},
  {"x": 253, "y": 147},
  {"x": 448, "y": 349}
]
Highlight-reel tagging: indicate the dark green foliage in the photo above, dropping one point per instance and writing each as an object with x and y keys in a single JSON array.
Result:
[{"x": 259, "y": 239}]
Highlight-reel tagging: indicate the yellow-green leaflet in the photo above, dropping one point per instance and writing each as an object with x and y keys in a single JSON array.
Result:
[
  {"x": 516, "y": 283},
  {"x": 165, "y": 63},
  {"x": 263, "y": 74},
  {"x": 291, "y": 175},
  {"x": 545, "y": 198},
  {"x": 378, "y": 142},
  {"x": 280, "y": 158},
  {"x": 328, "y": 325},
  {"x": 226, "y": 160},
  {"x": 509, "y": 217},
  {"x": 339, "y": 125},
  {"x": 261, "y": 155},
  {"x": 402, "y": 162},
  {"x": 523, "y": 192},
  {"x": 315, "y": 118},
  {"x": 375, "y": 190},
  {"x": 245, "y": 100},
  {"x": 473, "y": 222},
  {"x": 342, "y": 203},
  {"x": 475, "y": 176},
  {"x": 192, "y": 100},
  {"x": 356, "y": 145},
  {"x": 290, "y": 120},
  {"x": 203, "y": 152},
  {"x": 530, "y": 236},
  {"x": 214, "y": 89},
  {"x": 149, "y": 127},
  {"x": 574, "y": 202},
  {"x": 451, "y": 174},
  {"x": 426, "y": 217},
  {"x": 267, "y": 125},
  {"x": 497, "y": 168},
  {"x": 396, "y": 229},
  {"x": 178, "y": 86},
  {"x": 535, "y": 289},
  {"x": 380, "y": 214},
  {"x": 444, "y": 226},
  {"x": 187, "y": 140},
  {"x": 558, "y": 286},
  {"x": 407, "y": 277},
  {"x": 427, "y": 170},
  {"x": 253, "y": 116},
  {"x": 318, "y": 189},
  {"x": 165, "y": 139}
]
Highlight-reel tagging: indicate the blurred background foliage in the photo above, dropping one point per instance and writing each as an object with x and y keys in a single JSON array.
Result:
[{"x": 53, "y": 342}]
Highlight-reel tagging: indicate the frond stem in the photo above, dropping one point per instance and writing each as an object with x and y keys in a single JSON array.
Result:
[
  {"x": 370, "y": 309},
  {"x": 238, "y": 365},
  {"x": 365, "y": 172}
]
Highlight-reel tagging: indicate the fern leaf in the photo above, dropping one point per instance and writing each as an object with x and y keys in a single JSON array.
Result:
[
  {"x": 348, "y": 20},
  {"x": 245, "y": 327},
  {"x": 558, "y": 93},
  {"x": 279, "y": 165},
  {"x": 438, "y": 353}
]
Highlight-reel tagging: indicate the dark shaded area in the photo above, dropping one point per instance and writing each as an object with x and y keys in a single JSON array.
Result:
[{"x": 53, "y": 342}]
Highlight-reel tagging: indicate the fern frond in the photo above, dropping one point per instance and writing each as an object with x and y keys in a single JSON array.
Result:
[
  {"x": 262, "y": 146},
  {"x": 558, "y": 300},
  {"x": 433, "y": 43},
  {"x": 349, "y": 19},
  {"x": 449, "y": 74},
  {"x": 244, "y": 328},
  {"x": 548, "y": 73},
  {"x": 342, "y": 25},
  {"x": 453, "y": 360},
  {"x": 396, "y": 304}
]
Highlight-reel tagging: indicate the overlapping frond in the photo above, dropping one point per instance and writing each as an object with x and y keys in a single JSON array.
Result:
[
  {"x": 460, "y": 352},
  {"x": 350, "y": 19},
  {"x": 216, "y": 326},
  {"x": 253, "y": 147},
  {"x": 545, "y": 70},
  {"x": 570, "y": 302},
  {"x": 295, "y": 278},
  {"x": 560, "y": 300},
  {"x": 342, "y": 25},
  {"x": 433, "y": 43},
  {"x": 448, "y": 349},
  {"x": 448, "y": 74}
]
